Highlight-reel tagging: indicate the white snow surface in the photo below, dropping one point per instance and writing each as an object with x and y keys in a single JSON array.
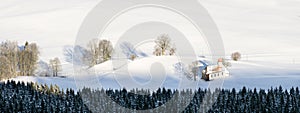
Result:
[
  {"x": 251, "y": 73},
  {"x": 265, "y": 32}
]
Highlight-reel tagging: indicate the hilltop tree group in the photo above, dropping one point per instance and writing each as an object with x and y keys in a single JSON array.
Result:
[
  {"x": 163, "y": 46},
  {"x": 18, "y": 60},
  {"x": 100, "y": 51}
]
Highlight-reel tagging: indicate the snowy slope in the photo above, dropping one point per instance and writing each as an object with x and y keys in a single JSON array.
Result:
[
  {"x": 261, "y": 74},
  {"x": 148, "y": 72},
  {"x": 252, "y": 73},
  {"x": 265, "y": 32}
]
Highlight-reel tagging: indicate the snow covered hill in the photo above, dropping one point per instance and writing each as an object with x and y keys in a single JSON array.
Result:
[
  {"x": 252, "y": 73},
  {"x": 265, "y": 32}
]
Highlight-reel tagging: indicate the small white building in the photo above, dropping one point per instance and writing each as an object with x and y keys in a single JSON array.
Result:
[{"x": 215, "y": 71}]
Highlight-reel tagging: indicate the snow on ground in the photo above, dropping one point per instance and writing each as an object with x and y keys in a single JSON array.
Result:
[
  {"x": 262, "y": 75},
  {"x": 265, "y": 32},
  {"x": 148, "y": 72},
  {"x": 248, "y": 26},
  {"x": 252, "y": 74}
]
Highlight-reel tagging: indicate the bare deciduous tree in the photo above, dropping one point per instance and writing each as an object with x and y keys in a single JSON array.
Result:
[
  {"x": 27, "y": 59},
  {"x": 4, "y": 72},
  {"x": 18, "y": 60},
  {"x": 8, "y": 49},
  {"x": 55, "y": 66},
  {"x": 99, "y": 51},
  {"x": 132, "y": 57},
  {"x": 94, "y": 51},
  {"x": 236, "y": 56},
  {"x": 106, "y": 50},
  {"x": 163, "y": 46},
  {"x": 157, "y": 52},
  {"x": 172, "y": 51},
  {"x": 32, "y": 57},
  {"x": 163, "y": 42},
  {"x": 194, "y": 70}
]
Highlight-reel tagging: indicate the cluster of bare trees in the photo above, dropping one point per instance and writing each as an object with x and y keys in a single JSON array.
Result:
[
  {"x": 55, "y": 66},
  {"x": 49, "y": 69},
  {"x": 163, "y": 46},
  {"x": 17, "y": 60},
  {"x": 193, "y": 70},
  {"x": 100, "y": 51},
  {"x": 8, "y": 59},
  {"x": 28, "y": 57}
]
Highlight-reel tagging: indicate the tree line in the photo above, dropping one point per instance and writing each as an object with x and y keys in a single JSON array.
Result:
[
  {"x": 32, "y": 97},
  {"x": 96, "y": 52},
  {"x": 17, "y": 60},
  {"x": 22, "y": 60},
  {"x": 99, "y": 51}
]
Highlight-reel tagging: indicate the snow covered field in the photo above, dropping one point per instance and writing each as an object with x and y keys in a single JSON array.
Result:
[
  {"x": 265, "y": 32},
  {"x": 253, "y": 74}
]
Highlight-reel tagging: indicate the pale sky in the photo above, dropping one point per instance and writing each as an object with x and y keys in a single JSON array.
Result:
[{"x": 249, "y": 26}]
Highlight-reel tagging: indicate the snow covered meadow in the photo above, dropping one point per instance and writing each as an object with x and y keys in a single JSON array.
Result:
[{"x": 265, "y": 32}]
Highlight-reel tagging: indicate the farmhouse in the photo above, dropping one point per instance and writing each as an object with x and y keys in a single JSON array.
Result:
[{"x": 211, "y": 72}]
